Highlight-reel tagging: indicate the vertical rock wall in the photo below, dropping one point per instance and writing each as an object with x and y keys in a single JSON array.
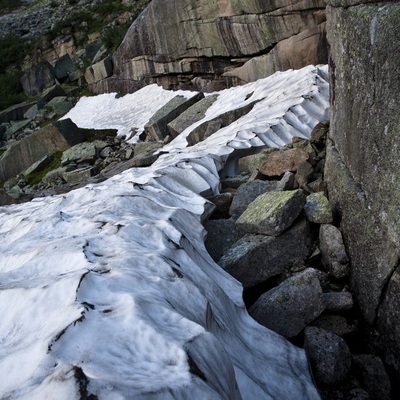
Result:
[
  {"x": 363, "y": 162},
  {"x": 192, "y": 43}
]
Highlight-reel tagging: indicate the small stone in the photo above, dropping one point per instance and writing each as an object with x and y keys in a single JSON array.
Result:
[
  {"x": 338, "y": 301},
  {"x": 252, "y": 163},
  {"x": 318, "y": 209},
  {"x": 291, "y": 306},
  {"x": 328, "y": 353},
  {"x": 222, "y": 203},
  {"x": 272, "y": 213}
]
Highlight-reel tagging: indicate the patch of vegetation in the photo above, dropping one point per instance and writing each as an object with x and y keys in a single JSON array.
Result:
[
  {"x": 11, "y": 89},
  {"x": 98, "y": 134},
  {"x": 9, "y": 5},
  {"x": 113, "y": 37},
  {"x": 36, "y": 177},
  {"x": 13, "y": 50}
]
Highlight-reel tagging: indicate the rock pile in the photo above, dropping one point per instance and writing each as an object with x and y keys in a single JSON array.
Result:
[{"x": 273, "y": 229}]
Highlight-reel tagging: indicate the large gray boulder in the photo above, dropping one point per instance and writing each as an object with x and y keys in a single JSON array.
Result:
[
  {"x": 57, "y": 136},
  {"x": 194, "y": 113},
  {"x": 291, "y": 306},
  {"x": 255, "y": 258},
  {"x": 272, "y": 213},
  {"x": 156, "y": 128},
  {"x": 247, "y": 193},
  {"x": 36, "y": 79}
]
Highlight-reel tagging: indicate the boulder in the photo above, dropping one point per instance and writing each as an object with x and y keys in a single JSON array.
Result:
[
  {"x": 194, "y": 113},
  {"x": 207, "y": 128},
  {"x": 63, "y": 67},
  {"x": 221, "y": 235},
  {"x": 83, "y": 152},
  {"x": 156, "y": 128},
  {"x": 5, "y": 199},
  {"x": 36, "y": 79},
  {"x": 247, "y": 193},
  {"x": 57, "y": 136},
  {"x": 272, "y": 213},
  {"x": 91, "y": 49},
  {"x": 291, "y": 306},
  {"x": 49, "y": 94},
  {"x": 60, "y": 105},
  {"x": 304, "y": 173},
  {"x": 80, "y": 175},
  {"x": 16, "y": 112},
  {"x": 288, "y": 182},
  {"x": 371, "y": 373},
  {"x": 333, "y": 251},
  {"x": 318, "y": 209},
  {"x": 222, "y": 203},
  {"x": 99, "y": 71},
  {"x": 255, "y": 258},
  {"x": 252, "y": 163},
  {"x": 328, "y": 353},
  {"x": 283, "y": 161},
  {"x": 37, "y": 166}
]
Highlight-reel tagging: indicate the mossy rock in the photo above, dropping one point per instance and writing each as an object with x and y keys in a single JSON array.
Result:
[{"x": 272, "y": 213}]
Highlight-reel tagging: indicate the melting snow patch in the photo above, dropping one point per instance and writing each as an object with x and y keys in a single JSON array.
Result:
[{"x": 109, "y": 290}]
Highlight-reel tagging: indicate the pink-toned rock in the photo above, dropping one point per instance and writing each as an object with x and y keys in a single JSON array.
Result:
[{"x": 283, "y": 161}]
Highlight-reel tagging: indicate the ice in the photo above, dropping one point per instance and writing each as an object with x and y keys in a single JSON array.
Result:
[{"x": 109, "y": 290}]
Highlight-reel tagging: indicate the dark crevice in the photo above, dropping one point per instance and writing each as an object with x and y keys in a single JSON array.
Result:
[
  {"x": 83, "y": 383},
  {"x": 195, "y": 370}
]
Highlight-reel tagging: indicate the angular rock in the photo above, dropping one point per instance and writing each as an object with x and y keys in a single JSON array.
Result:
[
  {"x": 156, "y": 128},
  {"x": 207, "y": 128},
  {"x": 146, "y": 148},
  {"x": 272, "y": 213},
  {"x": 99, "y": 71},
  {"x": 233, "y": 182},
  {"x": 16, "y": 112},
  {"x": 222, "y": 202},
  {"x": 291, "y": 306},
  {"x": 49, "y": 94},
  {"x": 247, "y": 193},
  {"x": 5, "y": 199},
  {"x": 37, "y": 166},
  {"x": 371, "y": 373},
  {"x": 80, "y": 175},
  {"x": 283, "y": 161},
  {"x": 194, "y": 113},
  {"x": 63, "y": 67},
  {"x": 318, "y": 209},
  {"x": 338, "y": 301},
  {"x": 83, "y": 152},
  {"x": 91, "y": 49},
  {"x": 252, "y": 163},
  {"x": 255, "y": 258},
  {"x": 54, "y": 176},
  {"x": 16, "y": 127},
  {"x": 38, "y": 78},
  {"x": 304, "y": 172},
  {"x": 328, "y": 353},
  {"x": 221, "y": 235},
  {"x": 288, "y": 182},
  {"x": 60, "y": 105},
  {"x": 57, "y": 136},
  {"x": 333, "y": 251}
]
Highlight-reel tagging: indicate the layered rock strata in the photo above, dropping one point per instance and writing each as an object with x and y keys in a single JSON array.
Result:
[{"x": 190, "y": 44}]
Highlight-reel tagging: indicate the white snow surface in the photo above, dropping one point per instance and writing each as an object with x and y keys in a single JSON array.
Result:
[{"x": 109, "y": 290}]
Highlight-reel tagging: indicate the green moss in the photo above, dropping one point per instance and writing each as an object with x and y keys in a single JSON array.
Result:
[
  {"x": 9, "y": 5},
  {"x": 36, "y": 177},
  {"x": 280, "y": 298}
]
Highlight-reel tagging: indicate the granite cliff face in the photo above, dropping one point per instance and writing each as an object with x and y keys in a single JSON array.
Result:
[
  {"x": 198, "y": 44},
  {"x": 363, "y": 160}
]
